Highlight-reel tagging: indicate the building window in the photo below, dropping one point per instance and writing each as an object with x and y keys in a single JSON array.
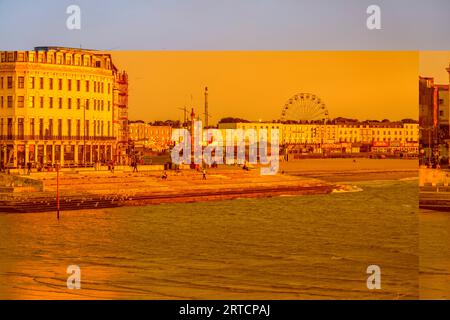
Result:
[
  {"x": 78, "y": 129},
  {"x": 87, "y": 104},
  {"x": 69, "y": 103},
  {"x": 109, "y": 88},
  {"x": 50, "y": 127},
  {"x": 41, "y": 129},
  {"x": 20, "y": 101},
  {"x": 32, "y": 128},
  {"x": 59, "y": 128},
  {"x": 41, "y": 102},
  {"x": 60, "y": 84},
  {"x": 87, "y": 85},
  {"x": 50, "y": 83},
  {"x": 69, "y": 84},
  {"x": 1, "y": 102},
  {"x": 78, "y": 103},
  {"x": 109, "y": 105},
  {"x": 31, "y": 82},
  {"x": 20, "y": 82},
  {"x": 69, "y": 128},
  {"x": 10, "y": 129},
  {"x": 20, "y": 128},
  {"x": 78, "y": 85},
  {"x": 1, "y": 83},
  {"x": 41, "y": 83},
  {"x": 60, "y": 103},
  {"x": 103, "y": 104},
  {"x": 50, "y": 102},
  {"x": 31, "y": 103}
]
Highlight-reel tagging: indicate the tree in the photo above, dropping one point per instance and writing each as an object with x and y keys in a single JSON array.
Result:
[{"x": 232, "y": 120}]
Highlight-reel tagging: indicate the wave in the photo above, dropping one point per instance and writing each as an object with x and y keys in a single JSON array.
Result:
[
  {"x": 409, "y": 179},
  {"x": 346, "y": 189}
]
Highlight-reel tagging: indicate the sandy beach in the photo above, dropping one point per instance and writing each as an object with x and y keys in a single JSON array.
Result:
[{"x": 351, "y": 170}]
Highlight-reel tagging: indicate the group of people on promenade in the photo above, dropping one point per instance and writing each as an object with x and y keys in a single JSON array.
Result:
[{"x": 97, "y": 166}]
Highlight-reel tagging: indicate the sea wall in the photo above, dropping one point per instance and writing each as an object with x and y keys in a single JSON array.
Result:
[{"x": 15, "y": 183}]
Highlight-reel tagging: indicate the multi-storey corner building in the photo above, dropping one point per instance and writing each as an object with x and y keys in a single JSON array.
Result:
[
  {"x": 428, "y": 120},
  {"x": 442, "y": 101},
  {"x": 434, "y": 118},
  {"x": 57, "y": 106}
]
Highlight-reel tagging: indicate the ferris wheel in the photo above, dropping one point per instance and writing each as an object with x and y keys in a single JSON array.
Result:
[{"x": 304, "y": 107}]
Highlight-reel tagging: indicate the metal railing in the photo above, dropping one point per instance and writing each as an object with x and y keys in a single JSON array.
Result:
[{"x": 36, "y": 137}]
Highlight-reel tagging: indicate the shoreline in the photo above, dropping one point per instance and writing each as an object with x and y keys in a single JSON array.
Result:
[{"x": 346, "y": 177}]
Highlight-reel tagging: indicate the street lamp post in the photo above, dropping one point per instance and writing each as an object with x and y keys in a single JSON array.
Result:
[{"x": 57, "y": 191}]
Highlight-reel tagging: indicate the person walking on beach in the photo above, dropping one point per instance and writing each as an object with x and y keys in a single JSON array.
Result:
[
  {"x": 135, "y": 169},
  {"x": 29, "y": 168}
]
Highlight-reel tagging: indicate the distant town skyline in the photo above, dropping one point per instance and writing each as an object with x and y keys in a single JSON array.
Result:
[
  {"x": 255, "y": 85},
  {"x": 175, "y": 123}
]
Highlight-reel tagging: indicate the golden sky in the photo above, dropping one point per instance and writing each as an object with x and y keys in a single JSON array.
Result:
[
  {"x": 255, "y": 84},
  {"x": 433, "y": 64}
]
